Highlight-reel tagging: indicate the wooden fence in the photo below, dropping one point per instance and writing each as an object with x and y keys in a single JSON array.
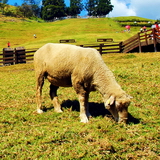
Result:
[
  {"x": 105, "y": 48},
  {"x": 150, "y": 37},
  {"x": 10, "y": 56}
]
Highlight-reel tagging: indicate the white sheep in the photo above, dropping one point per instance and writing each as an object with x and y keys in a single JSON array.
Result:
[{"x": 84, "y": 69}]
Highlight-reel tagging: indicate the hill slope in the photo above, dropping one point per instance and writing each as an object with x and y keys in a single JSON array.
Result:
[{"x": 20, "y": 32}]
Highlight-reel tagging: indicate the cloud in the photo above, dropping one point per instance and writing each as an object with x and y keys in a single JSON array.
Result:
[
  {"x": 146, "y": 8},
  {"x": 121, "y": 8}
]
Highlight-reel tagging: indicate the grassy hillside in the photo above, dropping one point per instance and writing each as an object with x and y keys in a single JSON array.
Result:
[
  {"x": 20, "y": 32},
  {"x": 26, "y": 135}
]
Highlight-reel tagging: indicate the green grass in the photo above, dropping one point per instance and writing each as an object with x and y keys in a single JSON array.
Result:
[
  {"x": 20, "y": 32},
  {"x": 27, "y": 135},
  {"x": 132, "y": 18}
]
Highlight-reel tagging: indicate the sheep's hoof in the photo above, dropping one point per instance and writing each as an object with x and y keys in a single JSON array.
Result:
[
  {"x": 58, "y": 110},
  {"x": 122, "y": 120},
  {"x": 84, "y": 119},
  {"x": 39, "y": 111}
]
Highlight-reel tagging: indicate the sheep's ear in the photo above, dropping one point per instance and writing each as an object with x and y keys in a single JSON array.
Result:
[{"x": 109, "y": 102}]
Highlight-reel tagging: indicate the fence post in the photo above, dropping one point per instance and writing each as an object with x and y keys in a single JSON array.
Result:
[
  {"x": 154, "y": 40},
  {"x": 140, "y": 48},
  {"x": 120, "y": 47},
  {"x": 101, "y": 48},
  {"x": 146, "y": 39},
  {"x": 20, "y": 55},
  {"x": 8, "y": 55}
]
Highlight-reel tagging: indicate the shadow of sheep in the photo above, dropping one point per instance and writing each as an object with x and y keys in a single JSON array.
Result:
[{"x": 95, "y": 109}]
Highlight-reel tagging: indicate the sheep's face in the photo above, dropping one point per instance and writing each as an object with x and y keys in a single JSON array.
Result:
[{"x": 118, "y": 108}]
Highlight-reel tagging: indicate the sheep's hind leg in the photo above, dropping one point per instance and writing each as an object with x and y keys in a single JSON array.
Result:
[
  {"x": 54, "y": 98},
  {"x": 40, "y": 82}
]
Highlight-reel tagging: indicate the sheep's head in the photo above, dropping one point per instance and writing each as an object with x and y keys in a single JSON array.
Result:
[{"x": 118, "y": 107}]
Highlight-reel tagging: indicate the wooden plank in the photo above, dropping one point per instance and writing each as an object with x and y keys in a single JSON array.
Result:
[
  {"x": 29, "y": 55},
  {"x": 110, "y": 45},
  {"x": 105, "y": 40},
  {"x": 31, "y": 51},
  {"x": 67, "y": 41},
  {"x": 31, "y": 59},
  {"x": 110, "y": 49},
  {"x": 6, "y": 58},
  {"x": 7, "y": 62}
]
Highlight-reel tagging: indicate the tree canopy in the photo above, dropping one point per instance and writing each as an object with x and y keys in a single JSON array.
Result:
[
  {"x": 98, "y": 7},
  {"x": 52, "y": 9},
  {"x": 75, "y": 8}
]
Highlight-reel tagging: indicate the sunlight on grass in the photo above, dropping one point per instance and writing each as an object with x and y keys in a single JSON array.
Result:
[{"x": 27, "y": 135}]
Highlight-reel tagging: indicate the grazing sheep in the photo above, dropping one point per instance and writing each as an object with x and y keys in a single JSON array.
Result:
[{"x": 83, "y": 68}]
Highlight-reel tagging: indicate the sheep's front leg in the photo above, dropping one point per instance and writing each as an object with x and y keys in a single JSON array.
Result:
[
  {"x": 54, "y": 98},
  {"x": 84, "y": 113},
  {"x": 83, "y": 96}
]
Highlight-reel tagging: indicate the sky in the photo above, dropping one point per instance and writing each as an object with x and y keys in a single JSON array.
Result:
[{"x": 141, "y": 8}]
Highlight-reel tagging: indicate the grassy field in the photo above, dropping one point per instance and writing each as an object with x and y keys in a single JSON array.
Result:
[
  {"x": 20, "y": 31},
  {"x": 27, "y": 135}
]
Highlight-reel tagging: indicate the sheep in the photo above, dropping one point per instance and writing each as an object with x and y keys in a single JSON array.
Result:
[{"x": 66, "y": 65}]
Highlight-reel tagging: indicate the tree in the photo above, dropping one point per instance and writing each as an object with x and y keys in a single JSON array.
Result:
[
  {"x": 52, "y": 9},
  {"x": 3, "y": 4},
  {"x": 91, "y": 7},
  {"x": 98, "y": 7},
  {"x": 104, "y": 7},
  {"x": 75, "y": 8},
  {"x": 29, "y": 9},
  {"x": 26, "y": 10},
  {"x": 36, "y": 10}
]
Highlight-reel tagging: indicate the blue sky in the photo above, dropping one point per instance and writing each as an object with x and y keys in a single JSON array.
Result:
[
  {"x": 19, "y": 2},
  {"x": 142, "y": 8}
]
